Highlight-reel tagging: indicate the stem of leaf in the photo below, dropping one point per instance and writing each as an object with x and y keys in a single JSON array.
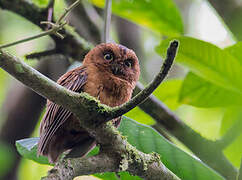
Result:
[{"x": 107, "y": 20}]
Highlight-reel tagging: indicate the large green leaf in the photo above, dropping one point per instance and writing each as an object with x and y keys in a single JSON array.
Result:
[
  {"x": 161, "y": 16},
  {"x": 147, "y": 140},
  {"x": 208, "y": 61},
  {"x": 201, "y": 93}
]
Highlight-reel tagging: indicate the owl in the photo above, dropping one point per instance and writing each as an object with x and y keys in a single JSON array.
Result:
[{"x": 109, "y": 73}]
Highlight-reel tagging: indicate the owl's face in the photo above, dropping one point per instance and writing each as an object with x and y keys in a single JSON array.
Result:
[{"x": 115, "y": 59}]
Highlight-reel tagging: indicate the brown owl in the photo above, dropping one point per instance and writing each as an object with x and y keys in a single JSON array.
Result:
[{"x": 109, "y": 73}]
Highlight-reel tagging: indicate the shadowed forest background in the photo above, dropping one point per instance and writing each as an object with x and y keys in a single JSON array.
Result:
[{"x": 203, "y": 90}]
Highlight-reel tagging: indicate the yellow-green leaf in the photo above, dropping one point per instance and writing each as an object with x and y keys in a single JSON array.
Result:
[{"x": 208, "y": 61}]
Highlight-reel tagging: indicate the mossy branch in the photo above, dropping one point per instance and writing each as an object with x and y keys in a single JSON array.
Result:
[
  {"x": 88, "y": 108},
  {"x": 118, "y": 156},
  {"x": 83, "y": 103}
]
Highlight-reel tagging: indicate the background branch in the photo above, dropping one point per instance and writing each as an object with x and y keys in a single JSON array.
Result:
[
  {"x": 231, "y": 12},
  {"x": 38, "y": 55},
  {"x": 60, "y": 23},
  {"x": 35, "y": 15}
]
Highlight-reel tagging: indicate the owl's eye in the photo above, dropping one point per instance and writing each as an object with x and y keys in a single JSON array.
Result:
[
  {"x": 108, "y": 56},
  {"x": 128, "y": 63}
]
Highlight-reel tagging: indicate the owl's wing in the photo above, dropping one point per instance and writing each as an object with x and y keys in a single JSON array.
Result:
[{"x": 56, "y": 115}]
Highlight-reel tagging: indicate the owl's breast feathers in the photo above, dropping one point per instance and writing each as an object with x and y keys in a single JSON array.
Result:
[
  {"x": 107, "y": 88},
  {"x": 60, "y": 129}
]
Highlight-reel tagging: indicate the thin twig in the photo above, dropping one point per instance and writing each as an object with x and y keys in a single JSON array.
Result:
[
  {"x": 107, "y": 20},
  {"x": 40, "y": 54},
  {"x": 67, "y": 10},
  {"x": 27, "y": 39},
  {"x": 54, "y": 30},
  {"x": 140, "y": 97}
]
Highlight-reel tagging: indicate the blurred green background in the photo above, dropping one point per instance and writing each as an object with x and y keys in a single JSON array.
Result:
[{"x": 207, "y": 99}]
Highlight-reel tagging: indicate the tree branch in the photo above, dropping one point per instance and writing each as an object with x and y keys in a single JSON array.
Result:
[
  {"x": 83, "y": 166},
  {"x": 48, "y": 88},
  {"x": 117, "y": 156},
  {"x": 120, "y": 156},
  {"x": 64, "y": 97},
  {"x": 41, "y": 54},
  {"x": 230, "y": 11},
  {"x": 86, "y": 107}
]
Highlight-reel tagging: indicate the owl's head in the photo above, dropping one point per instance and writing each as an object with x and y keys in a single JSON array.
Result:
[{"x": 115, "y": 59}]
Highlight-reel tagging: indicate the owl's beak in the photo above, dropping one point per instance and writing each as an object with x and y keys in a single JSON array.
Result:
[{"x": 116, "y": 68}]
